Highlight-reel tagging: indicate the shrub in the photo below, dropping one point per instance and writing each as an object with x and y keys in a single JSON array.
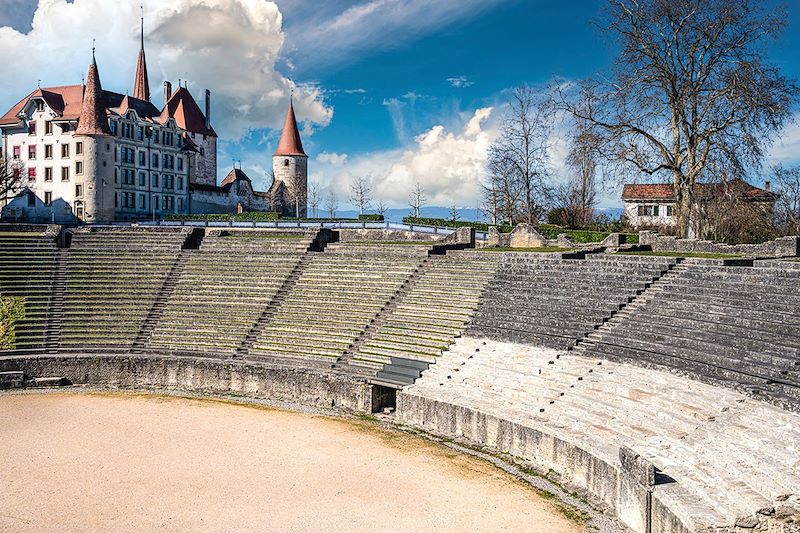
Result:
[
  {"x": 12, "y": 308},
  {"x": 479, "y": 226},
  {"x": 371, "y": 217},
  {"x": 247, "y": 216},
  {"x": 578, "y": 235}
]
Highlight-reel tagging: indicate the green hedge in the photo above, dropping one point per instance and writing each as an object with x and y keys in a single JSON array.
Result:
[
  {"x": 479, "y": 226},
  {"x": 551, "y": 231},
  {"x": 12, "y": 308},
  {"x": 248, "y": 216},
  {"x": 371, "y": 217}
]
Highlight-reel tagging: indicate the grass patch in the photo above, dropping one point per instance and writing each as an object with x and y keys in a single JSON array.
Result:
[
  {"x": 265, "y": 236},
  {"x": 541, "y": 249},
  {"x": 12, "y": 308},
  {"x": 702, "y": 255},
  {"x": 392, "y": 243}
]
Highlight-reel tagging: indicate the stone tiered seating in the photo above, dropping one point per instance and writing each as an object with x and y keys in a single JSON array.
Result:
[
  {"x": 555, "y": 302},
  {"x": 730, "y": 456},
  {"x": 224, "y": 287},
  {"x": 335, "y": 297},
  {"x": 738, "y": 326},
  {"x": 113, "y": 278},
  {"x": 27, "y": 262},
  {"x": 434, "y": 310}
]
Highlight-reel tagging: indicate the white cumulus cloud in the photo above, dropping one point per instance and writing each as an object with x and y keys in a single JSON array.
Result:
[
  {"x": 228, "y": 46},
  {"x": 332, "y": 158},
  {"x": 449, "y": 166},
  {"x": 459, "y": 82}
]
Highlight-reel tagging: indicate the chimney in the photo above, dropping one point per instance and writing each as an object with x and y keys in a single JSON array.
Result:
[
  {"x": 167, "y": 92},
  {"x": 767, "y": 186},
  {"x": 208, "y": 109}
]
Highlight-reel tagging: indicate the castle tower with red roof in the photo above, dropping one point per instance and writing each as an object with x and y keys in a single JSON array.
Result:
[{"x": 290, "y": 169}]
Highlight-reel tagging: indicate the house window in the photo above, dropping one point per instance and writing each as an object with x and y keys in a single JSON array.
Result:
[
  {"x": 16, "y": 152},
  {"x": 32, "y": 127},
  {"x": 64, "y": 173},
  {"x": 142, "y": 201},
  {"x": 155, "y": 180},
  {"x": 669, "y": 210},
  {"x": 140, "y": 133},
  {"x": 116, "y": 199},
  {"x": 78, "y": 148},
  {"x": 48, "y": 174},
  {"x": 32, "y": 174},
  {"x": 48, "y": 198},
  {"x": 78, "y": 167},
  {"x": 114, "y": 128},
  {"x": 155, "y": 136},
  {"x": 655, "y": 210},
  {"x": 48, "y": 151},
  {"x": 64, "y": 150},
  {"x": 180, "y": 163},
  {"x": 154, "y": 202},
  {"x": 79, "y": 190},
  {"x": 286, "y": 162},
  {"x": 39, "y": 105},
  {"x": 142, "y": 179},
  {"x": 155, "y": 160},
  {"x": 180, "y": 183},
  {"x": 48, "y": 128},
  {"x": 32, "y": 151},
  {"x": 116, "y": 176},
  {"x": 180, "y": 204},
  {"x": 142, "y": 159}
]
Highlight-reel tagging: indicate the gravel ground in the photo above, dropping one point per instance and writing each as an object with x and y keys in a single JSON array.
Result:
[{"x": 81, "y": 461}]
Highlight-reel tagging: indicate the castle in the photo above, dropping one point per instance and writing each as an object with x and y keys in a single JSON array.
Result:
[{"x": 79, "y": 153}]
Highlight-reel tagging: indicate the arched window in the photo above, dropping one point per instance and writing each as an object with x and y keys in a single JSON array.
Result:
[{"x": 286, "y": 162}]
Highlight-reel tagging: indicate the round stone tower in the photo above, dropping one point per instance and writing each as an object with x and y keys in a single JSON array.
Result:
[{"x": 290, "y": 168}]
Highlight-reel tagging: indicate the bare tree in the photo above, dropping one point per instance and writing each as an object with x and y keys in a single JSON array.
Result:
[
  {"x": 582, "y": 159},
  {"x": 522, "y": 148},
  {"x": 331, "y": 204},
  {"x": 381, "y": 208},
  {"x": 296, "y": 194},
  {"x": 454, "y": 213},
  {"x": 10, "y": 179},
  {"x": 691, "y": 83},
  {"x": 417, "y": 199},
  {"x": 568, "y": 205},
  {"x": 361, "y": 193},
  {"x": 314, "y": 198},
  {"x": 491, "y": 203},
  {"x": 504, "y": 190},
  {"x": 787, "y": 184}
]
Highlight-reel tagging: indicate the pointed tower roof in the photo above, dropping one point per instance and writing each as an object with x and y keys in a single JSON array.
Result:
[
  {"x": 141, "y": 84},
  {"x": 93, "y": 119},
  {"x": 290, "y": 143}
]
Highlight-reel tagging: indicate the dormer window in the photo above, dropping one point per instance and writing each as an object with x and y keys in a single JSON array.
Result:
[{"x": 39, "y": 105}]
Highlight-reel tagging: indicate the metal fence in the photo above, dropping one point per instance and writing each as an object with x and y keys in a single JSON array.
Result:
[{"x": 309, "y": 224}]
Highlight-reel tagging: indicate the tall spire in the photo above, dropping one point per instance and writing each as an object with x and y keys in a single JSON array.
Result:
[
  {"x": 93, "y": 119},
  {"x": 141, "y": 85},
  {"x": 290, "y": 143}
]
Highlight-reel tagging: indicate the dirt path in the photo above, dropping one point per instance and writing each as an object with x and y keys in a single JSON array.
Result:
[{"x": 77, "y": 462}]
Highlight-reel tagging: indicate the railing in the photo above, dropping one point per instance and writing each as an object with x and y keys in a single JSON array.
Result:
[{"x": 309, "y": 224}]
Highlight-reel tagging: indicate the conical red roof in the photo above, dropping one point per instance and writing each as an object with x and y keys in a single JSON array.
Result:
[
  {"x": 141, "y": 85},
  {"x": 290, "y": 143},
  {"x": 93, "y": 119}
]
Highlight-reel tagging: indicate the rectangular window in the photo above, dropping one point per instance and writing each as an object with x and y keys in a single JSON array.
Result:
[
  {"x": 48, "y": 151},
  {"x": 155, "y": 180},
  {"x": 48, "y": 198},
  {"x": 180, "y": 183},
  {"x": 155, "y": 202},
  {"x": 32, "y": 174},
  {"x": 142, "y": 159},
  {"x": 669, "y": 210},
  {"x": 140, "y": 133},
  {"x": 16, "y": 152},
  {"x": 116, "y": 176},
  {"x": 142, "y": 201},
  {"x": 64, "y": 173},
  {"x": 142, "y": 179},
  {"x": 655, "y": 210},
  {"x": 640, "y": 210},
  {"x": 155, "y": 136},
  {"x": 78, "y": 190},
  {"x": 31, "y": 151},
  {"x": 116, "y": 199},
  {"x": 114, "y": 128},
  {"x": 180, "y": 204},
  {"x": 32, "y": 127},
  {"x": 48, "y": 127},
  {"x": 180, "y": 163},
  {"x": 78, "y": 167},
  {"x": 155, "y": 160},
  {"x": 48, "y": 174},
  {"x": 64, "y": 150},
  {"x": 78, "y": 148}
]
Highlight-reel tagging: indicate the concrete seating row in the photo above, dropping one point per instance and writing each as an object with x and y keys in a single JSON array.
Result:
[
  {"x": 335, "y": 297},
  {"x": 737, "y": 326},
  {"x": 27, "y": 264},
  {"x": 727, "y": 456},
  {"x": 223, "y": 288},
  {"x": 556, "y": 302},
  {"x": 112, "y": 280},
  {"x": 435, "y": 309}
]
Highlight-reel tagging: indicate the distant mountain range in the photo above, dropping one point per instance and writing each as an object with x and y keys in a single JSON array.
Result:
[{"x": 471, "y": 215}]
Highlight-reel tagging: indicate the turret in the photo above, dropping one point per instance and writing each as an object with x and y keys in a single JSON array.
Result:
[{"x": 290, "y": 166}]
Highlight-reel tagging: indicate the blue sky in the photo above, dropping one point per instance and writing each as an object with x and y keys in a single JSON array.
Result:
[{"x": 396, "y": 90}]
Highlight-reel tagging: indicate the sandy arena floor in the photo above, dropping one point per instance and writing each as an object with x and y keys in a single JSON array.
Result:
[{"x": 115, "y": 462}]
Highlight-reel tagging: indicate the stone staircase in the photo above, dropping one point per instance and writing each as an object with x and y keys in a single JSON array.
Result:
[
  {"x": 52, "y": 335},
  {"x": 400, "y": 371},
  {"x": 272, "y": 307},
  {"x": 160, "y": 303}
]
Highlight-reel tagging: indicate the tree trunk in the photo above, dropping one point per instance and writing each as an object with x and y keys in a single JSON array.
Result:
[{"x": 683, "y": 204}]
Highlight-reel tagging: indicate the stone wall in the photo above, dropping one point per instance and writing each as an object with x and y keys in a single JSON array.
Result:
[
  {"x": 346, "y": 235},
  {"x": 782, "y": 247},
  {"x": 287, "y": 384},
  {"x": 626, "y": 486}
]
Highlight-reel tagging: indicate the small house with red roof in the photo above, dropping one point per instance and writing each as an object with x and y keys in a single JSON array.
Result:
[{"x": 653, "y": 204}]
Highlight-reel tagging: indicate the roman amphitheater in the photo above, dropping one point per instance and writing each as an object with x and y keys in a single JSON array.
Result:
[{"x": 661, "y": 392}]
